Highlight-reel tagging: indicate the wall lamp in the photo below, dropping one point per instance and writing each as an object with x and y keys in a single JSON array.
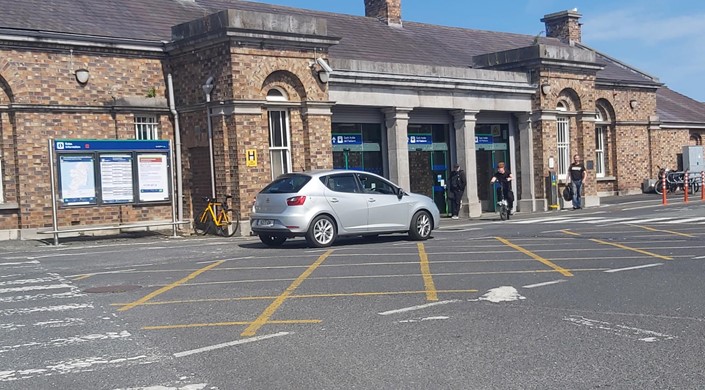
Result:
[
  {"x": 545, "y": 88},
  {"x": 633, "y": 104},
  {"x": 326, "y": 70},
  {"x": 82, "y": 76}
]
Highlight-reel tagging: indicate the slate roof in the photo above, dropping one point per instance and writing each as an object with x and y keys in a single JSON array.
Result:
[
  {"x": 672, "y": 106},
  {"x": 362, "y": 38}
]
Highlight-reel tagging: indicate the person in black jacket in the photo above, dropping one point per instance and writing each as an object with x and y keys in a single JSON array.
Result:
[
  {"x": 456, "y": 190},
  {"x": 504, "y": 178}
]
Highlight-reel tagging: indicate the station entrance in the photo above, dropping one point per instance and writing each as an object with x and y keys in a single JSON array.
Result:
[
  {"x": 491, "y": 147},
  {"x": 429, "y": 162},
  {"x": 358, "y": 146}
]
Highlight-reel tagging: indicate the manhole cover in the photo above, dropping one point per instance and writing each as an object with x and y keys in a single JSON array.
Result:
[{"x": 111, "y": 289}]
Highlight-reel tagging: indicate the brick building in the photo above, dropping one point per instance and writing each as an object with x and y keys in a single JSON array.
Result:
[{"x": 299, "y": 89}]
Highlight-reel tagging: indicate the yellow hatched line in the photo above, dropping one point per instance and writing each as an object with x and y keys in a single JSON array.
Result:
[
  {"x": 303, "y": 296},
  {"x": 431, "y": 294},
  {"x": 566, "y": 231},
  {"x": 549, "y": 263},
  {"x": 169, "y": 287},
  {"x": 631, "y": 249},
  {"x": 269, "y": 311},
  {"x": 664, "y": 231},
  {"x": 230, "y": 323},
  {"x": 86, "y": 276}
]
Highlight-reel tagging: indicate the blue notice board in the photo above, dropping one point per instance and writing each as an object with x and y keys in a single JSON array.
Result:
[
  {"x": 70, "y": 145},
  {"x": 347, "y": 139}
]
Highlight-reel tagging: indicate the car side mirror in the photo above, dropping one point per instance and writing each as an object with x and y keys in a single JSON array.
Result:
[{"x": 400, "y": 193}]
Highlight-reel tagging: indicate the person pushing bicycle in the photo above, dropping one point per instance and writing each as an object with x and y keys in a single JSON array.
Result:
[{"x": 504, "y": 177}]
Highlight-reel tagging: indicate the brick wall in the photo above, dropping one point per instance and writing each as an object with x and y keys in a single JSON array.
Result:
[{"x": 57, "y": 106}]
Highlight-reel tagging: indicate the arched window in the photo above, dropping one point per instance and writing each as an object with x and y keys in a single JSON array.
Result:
[
  {"x": 277, "y": 95},
  {"x": 695, "y": 139},
  {"x": 561, "y": 106}
]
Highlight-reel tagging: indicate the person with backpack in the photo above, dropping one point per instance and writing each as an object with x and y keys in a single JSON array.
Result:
[
  {"x": 575, "y": 178},
  {"x": 456, "y": 190}
]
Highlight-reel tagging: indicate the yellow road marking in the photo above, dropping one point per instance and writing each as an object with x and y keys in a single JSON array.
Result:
[
  {"x": 304, "y": 296},
  {"x": 431, "y": 294},
  {"x": 232, "y": 323},
  {"x": 566, "y": 231},
  {"x": 269, "y": 311},
  {"x": 664, "y": 231},
  {"x": 86, "y": 276},
  {"x": 558, "y": 268},
  {"x": 169, "y": 287},
  {"x": 631, "y": 249}
]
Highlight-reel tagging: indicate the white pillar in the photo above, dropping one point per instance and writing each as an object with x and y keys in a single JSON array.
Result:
[
  {"x": 464, "y": 123},
  {"x": 527, "y": 199},
  {"x": 397, "y": 122}
]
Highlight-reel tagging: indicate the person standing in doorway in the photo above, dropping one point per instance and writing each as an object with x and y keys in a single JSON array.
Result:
[
  {"x": 576, "y": 176},
  {"x": 456, "y": 190},
  {"x": 504, "y": 177}
]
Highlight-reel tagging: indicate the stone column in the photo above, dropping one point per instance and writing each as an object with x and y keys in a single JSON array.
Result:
[
  {"x": 464, "y": 123},
  {"x": 317, "y": 129},
  {"x": 397, "y": 122},
  {"x": 527, "y": 199},
  {"x": 586, "y": 126}
]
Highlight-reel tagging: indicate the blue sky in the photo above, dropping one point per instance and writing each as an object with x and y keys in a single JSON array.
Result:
[{"x": 664, "y": 38}]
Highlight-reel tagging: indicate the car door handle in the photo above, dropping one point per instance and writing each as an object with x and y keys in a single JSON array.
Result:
[
  {"x": 334, "y": 200},
  {"x": 372, "y": 200}
]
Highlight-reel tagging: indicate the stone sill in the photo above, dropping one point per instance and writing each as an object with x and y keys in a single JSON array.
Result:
[
  {"x": 9, "y": 206},
  {"x": 607, "y": 178}
]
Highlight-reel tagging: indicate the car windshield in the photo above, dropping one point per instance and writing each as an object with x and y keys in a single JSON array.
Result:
[{"x": 286, "y": 184}]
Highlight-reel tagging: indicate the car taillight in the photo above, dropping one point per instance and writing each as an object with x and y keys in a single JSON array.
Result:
[{"x": 296, "y": 201}]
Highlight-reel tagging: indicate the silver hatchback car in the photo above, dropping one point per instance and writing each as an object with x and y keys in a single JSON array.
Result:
[{"x": 323, "y": 205}]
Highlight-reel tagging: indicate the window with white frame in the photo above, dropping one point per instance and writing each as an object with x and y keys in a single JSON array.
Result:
[
  {"x": 146, "y": 127},
  {"x": 2, "y": 190},
  {"x": 600, "y": 151},
  {"x": 563, "y": 135},
  {"x": 279, "y": 145}
]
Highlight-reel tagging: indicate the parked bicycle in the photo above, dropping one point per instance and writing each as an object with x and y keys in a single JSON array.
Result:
[
  {"x": 217, "y": 217},
  {"x": 675, "y": 181}
]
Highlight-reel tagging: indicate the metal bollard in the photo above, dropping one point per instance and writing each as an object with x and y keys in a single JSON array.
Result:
[
  {"x": 663, "y": 189},
  {"x": 685, "y": 187}
]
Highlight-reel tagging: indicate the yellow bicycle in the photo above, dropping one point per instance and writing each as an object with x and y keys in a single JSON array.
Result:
[{"x": 217, "y": 217}]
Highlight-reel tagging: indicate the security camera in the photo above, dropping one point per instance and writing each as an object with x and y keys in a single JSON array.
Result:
[{"x": 323, "y": 64}]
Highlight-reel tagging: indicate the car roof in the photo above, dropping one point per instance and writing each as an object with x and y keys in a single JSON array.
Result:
[{"x": 325, "y": 172}]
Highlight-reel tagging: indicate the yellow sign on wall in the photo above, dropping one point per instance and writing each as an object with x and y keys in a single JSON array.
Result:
[{"x": 251, "y": 157}]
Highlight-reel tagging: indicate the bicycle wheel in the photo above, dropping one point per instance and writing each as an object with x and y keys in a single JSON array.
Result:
[
  {"x": 204, "y": 224},
  {"x": 658, "y": 187},
  {"x": 503, "y": 213},
  {"x": 229, "y": 223}
]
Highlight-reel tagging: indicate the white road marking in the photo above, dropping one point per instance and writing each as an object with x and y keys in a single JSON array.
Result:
[
  {"x": 544, "y": 284},
  {"x": 36, "y": 297},
  {"x": 230, "y": 344},
  {"x": 620, "y": 330},
  {"x": 685, "y": 220},
  {"x": 60, "y": 342},
  {"x": 500, "y": 294},
  {"x": 542, "y": 220},
  {"x": 31, "y": 288},
  {"x": 61, "y": 323},
  {"x": 642, "y": 221},
  {"x": 75, "y": 366},
  {"x": 633, "y": 268},
  {"x": 19, "y": 263},
  {"x": 424, "y": 319},
  {"x": 196, "y": 386},
  {"x": 418, "y": 307},
  {"x": 28, "y": 310},
  {"x": 29, "y": 281},
  {"x": 608, "y": 221},
  {"x": 699, "y": 257}
]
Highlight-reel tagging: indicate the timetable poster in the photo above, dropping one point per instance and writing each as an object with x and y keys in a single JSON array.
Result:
[
  {"x": 116, "y": 178},
  {"x": 153, "y": 177}
]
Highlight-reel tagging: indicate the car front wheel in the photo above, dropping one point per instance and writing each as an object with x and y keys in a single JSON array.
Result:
[
  {"x": 421, "y": 226},
  {"x": 272, "y": 239},
  {"x": 322, "y": 232}
]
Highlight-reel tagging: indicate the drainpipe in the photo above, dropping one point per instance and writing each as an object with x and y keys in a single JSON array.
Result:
[{"x": 177, "y": 149}]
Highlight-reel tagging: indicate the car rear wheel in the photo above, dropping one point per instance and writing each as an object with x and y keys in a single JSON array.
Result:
[
  {"x": 272, "y": 239},
  {"x": 421, "y": 226},
  {"x": 322, "y": 232}
]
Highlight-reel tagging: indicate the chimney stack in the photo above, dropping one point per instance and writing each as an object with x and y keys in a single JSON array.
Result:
[
  {"x": 564, "y": 25},
  {"x": 387, "y": 11}
]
